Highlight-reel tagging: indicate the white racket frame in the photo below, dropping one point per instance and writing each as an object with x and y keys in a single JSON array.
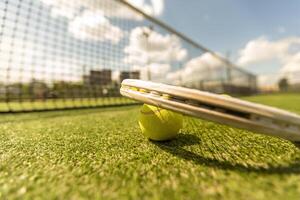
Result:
[{"x": 217, "y": 108}]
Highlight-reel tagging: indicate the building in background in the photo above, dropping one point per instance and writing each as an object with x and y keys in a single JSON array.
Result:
[
  {"x": 98, "y": 77},
  {"x": 156, "y": 49},
  {"x": 129, "y": 74}
]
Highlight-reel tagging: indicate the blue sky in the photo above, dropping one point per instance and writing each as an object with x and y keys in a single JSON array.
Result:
[
  {"x": 75, "y": 36},
  {"x": 227, "y": 25}
]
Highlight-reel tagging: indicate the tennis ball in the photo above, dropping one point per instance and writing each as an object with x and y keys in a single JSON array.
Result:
[
  {"x": 143, "y": 90},
  {"x": 134, "y": 88},
  {"x": 226, "y": 95},
  {"x": 166, "y": 96},
  {"x": 159, "y": 124}
]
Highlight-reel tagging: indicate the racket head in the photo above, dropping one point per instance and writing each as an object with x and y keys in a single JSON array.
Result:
[{"x": 213, "y": 107}]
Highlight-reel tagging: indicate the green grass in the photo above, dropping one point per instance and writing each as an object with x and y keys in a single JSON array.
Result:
[
  {"x": 100, "y": 154},
  {"x": 288, "y": 101},
  {"x": 52, "y": 104}
]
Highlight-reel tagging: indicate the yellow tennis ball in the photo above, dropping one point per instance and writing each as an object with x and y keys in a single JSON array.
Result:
[
  {"x": 166, "y": 96},
  {"x": 225, "y": 95},
  {"x": 134, "y": 88},
  {"x": 159, "y": 124}
]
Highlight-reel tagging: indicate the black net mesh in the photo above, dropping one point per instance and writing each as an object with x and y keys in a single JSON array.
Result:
[{"x": 57, "y": 54}]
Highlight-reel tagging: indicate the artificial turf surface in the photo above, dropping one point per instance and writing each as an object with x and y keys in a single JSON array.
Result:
[
  {"x": 100, "y": 154},
  {"x": 54, "y": 104}
]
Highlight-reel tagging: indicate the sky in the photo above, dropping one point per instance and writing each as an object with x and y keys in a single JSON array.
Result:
[
  {"x": 242, "y": 30},
  {"x": 227, "y": 25},
  {"x": 59, "y": 39}
]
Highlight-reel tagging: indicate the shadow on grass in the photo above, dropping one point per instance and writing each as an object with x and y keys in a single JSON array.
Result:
[{"x": 175, "y": 147}]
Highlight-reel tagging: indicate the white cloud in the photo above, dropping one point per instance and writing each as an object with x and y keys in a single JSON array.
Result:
[
  {"x": 291, "y": 69},
  {"x": 94, "y": 26},
  {"x": 293, "y": 64},
  {"x": 196, "y": 69},
  {"x": 157, "y": 71},
  {"x": 89, "y": 20},
  {"x": 261, "y": 49},
  {"x": 66, "y": 8},
  {"x": 27, "y": 61},
  {"x": 114, "y": 9},
  {"x": 286, "y": 51},
  {"x": 268, "y": 80},
  {"x": 150, "y": 51},
  {"x": 146, "y": 45},
  {"x": 63, "y": 11},
  {"x": 175, "y": 77},
  {"x": 154, "y": 8},
  {"x": 110, "y": 8}
]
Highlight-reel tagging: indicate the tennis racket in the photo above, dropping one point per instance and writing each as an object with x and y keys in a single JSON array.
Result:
[{"x": 217, "y": 108}]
